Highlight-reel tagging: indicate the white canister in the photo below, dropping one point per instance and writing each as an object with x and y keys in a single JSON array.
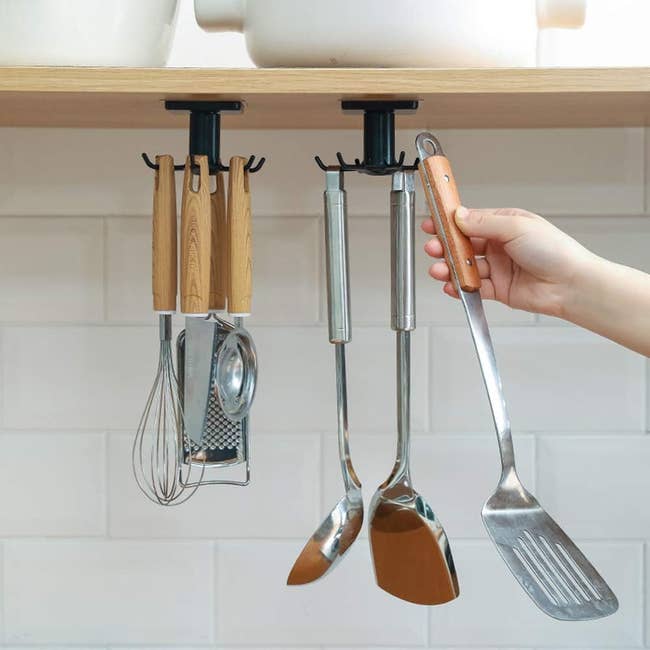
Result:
[{"x": 86, "y": 32}]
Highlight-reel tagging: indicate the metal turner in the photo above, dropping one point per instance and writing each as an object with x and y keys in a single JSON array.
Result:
[
  {"x": 548, "y": 565},
  {"x": 410, "y": 550}
]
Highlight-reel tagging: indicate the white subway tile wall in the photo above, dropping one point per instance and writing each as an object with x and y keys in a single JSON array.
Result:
[{"x": 87, "y": 562}]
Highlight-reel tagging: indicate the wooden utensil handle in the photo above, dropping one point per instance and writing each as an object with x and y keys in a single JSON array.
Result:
[
  {"x": 441, "y": 179},
  {"x": 164, "y": 248},
  {"x": 240, "y": 227},
  {"x": 219, "y": 248},
  {"x": 195, "y": 240}
]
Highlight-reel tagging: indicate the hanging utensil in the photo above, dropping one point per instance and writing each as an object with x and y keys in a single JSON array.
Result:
[
  {"x": 213, "y": 441},
  {"x": 236, "y": 370},
  {"x": 220, "y": 248},
  {"x": 547, "y": 564},
  {"x": 196, "y": 218},
  {"x": 156, "y": 455},
  {"x": 341, "y": 527},
  {"x": 410, "y": 550}
]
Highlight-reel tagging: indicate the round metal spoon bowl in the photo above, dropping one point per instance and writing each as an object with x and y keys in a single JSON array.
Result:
[
  {"x": 332, "y": 539},
  {"x": 236, "y": 374}
]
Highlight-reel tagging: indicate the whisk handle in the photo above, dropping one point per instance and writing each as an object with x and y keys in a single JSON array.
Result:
[{"x": 164, "y": 247}]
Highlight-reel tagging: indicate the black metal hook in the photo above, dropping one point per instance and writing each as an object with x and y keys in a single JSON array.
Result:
[
  {"x": 249, "y": 166},
  {"x": 205, "y": 135},
  {"x": 378, "y": 138}
]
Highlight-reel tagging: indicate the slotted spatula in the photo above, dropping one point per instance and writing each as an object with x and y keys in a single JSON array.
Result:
[{"x": 548, "y": 565}]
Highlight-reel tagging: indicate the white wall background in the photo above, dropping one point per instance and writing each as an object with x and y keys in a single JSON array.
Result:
[{"x": 87, "y": 561}]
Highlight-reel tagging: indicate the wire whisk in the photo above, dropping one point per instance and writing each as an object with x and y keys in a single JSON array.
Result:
[
  {"x": 158, "y": 448},
  {"x": 160, "y": 444}
]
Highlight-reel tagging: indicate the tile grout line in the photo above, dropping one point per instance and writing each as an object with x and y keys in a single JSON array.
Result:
[
  {"x": 430, "y": 368},
  {"x": 645, "y": 171},
  {"x": 321, "y": 482},
  {"x": 104, "y": 249},
  {"x": 214, "y": 631},
  {"x": 647, "y": 396},
  {"x": 644, "y": 583},
  {"x": 320, "y": 271},
  {"x": 3, "y": 376},
  {"x": 3, "y": 592},
  {"x": 428, "y": 340},
  {"x": 107, "y": 483},
  {"x": 536, "y": 471}
]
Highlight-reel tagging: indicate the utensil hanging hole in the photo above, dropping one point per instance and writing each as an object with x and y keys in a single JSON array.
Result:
[
  {"x": 429, "y": 146},
  {"x": 468, "y": 262},
  {"x": 446, "y": 177}
]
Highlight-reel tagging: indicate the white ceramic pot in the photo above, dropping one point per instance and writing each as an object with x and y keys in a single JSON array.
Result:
[
  {"x": 86, "y": 32},
  {"x": 386, "y": 33}
]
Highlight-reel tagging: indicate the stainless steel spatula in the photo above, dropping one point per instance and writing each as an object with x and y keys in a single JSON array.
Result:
[
  {"x": 548, "y": 565},
  {"x": 410, "y": 550}
]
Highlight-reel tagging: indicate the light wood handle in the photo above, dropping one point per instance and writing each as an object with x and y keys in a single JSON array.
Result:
[
  {"x": 219, "y": 249},
  {"x": 240, "y": 227},
  {"x": 164, "y": 248},
  {"x": 195, "y": 240},
  {"x": 441, "y": 179}
]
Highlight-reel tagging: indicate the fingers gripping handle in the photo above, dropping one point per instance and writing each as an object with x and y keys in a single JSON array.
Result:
[
  {"x": 164, "y": 247},
  {"x": 443, "y": 199},
  {"x": 336, "y": 248}
]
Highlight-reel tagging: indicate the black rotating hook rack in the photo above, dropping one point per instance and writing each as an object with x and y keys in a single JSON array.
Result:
[
  {"x": 378, "y": 138},
  {"x": 205, "y": 134}
]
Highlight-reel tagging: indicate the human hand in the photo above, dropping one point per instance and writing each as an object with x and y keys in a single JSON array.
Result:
[{"x": 523, "y": 260}]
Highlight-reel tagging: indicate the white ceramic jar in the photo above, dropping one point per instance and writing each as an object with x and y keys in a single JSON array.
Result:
[
  {"x": 86, "y": 32},
  {"x": 386, "y": 33}
]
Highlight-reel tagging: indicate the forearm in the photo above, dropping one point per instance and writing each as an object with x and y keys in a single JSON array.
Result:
[{"x": 613, "y": 301}]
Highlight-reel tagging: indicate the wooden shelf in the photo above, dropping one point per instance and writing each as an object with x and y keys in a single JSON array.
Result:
[{"x": 309, "y": 98}]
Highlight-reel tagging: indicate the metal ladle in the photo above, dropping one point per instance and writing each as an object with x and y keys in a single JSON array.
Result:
[
  {"x": 236, "y": 361},
  {"x": 341, "y": 527}
]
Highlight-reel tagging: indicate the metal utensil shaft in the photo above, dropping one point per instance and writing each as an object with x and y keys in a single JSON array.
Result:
[
  {"x": 338, "y": 301},
  {"x": 402, "y": 217},
  {"x": 402, "y": 224},
  {"x": 336, "y": 258},
  {"x": 487, "y": 360}
]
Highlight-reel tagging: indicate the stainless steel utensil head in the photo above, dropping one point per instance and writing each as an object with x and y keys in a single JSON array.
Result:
[
  {"x": 332, "y": 539},
  {"x": 236, "y": 374},
  {"x": 410, "y": 550},
  {"x": 547, "y": 564},
  {"x": 222, "y": 442},
  {"x": 199, "y": 346}
]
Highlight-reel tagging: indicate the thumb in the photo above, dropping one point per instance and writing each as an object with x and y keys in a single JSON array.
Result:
[{"x": 489, "y": 224}]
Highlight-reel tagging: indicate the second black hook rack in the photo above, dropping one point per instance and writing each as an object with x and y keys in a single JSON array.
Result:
[
  {"x": 205, "y": 133},
  {"x": 378, "y": 138}
]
